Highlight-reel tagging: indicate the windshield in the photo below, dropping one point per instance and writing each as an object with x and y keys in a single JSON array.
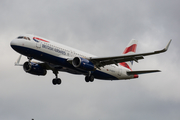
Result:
[{"x": 23, "y": 37}]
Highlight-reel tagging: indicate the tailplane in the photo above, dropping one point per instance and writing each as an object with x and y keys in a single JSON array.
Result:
[
  {"x": 142, "y": 72},
  {"x": 130, "y": 49}
]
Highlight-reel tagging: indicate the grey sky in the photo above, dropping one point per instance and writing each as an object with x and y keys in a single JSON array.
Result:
[{"x": 102, "y": 28}]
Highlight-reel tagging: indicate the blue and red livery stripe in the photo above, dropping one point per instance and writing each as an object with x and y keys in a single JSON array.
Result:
[{"x": 39, "y": 39}]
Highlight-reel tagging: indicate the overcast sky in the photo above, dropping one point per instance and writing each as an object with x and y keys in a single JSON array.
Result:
[{"x": 102, "y": 28}]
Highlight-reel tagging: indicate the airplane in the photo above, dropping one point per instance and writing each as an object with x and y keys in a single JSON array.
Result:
[{"x": 58, "y": 57}]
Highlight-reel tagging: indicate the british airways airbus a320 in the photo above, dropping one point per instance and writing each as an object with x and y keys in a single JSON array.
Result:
[{"x": 58, "y": 57}]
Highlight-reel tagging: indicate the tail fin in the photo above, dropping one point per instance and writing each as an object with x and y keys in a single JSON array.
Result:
[{"x": 130, "y": 49}]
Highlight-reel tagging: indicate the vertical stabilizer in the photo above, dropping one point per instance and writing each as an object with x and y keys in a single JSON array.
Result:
[{"x": 130, "y": 49}]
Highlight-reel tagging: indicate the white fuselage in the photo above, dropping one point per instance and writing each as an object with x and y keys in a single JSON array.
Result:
[{"x": 40, "y": 48}]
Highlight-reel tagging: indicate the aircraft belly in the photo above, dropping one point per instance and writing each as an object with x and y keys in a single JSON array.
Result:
[{"x": 106, "y": 73}]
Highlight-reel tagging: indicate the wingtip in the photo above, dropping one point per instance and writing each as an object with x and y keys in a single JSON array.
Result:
[{"x": 166, "y": 48}]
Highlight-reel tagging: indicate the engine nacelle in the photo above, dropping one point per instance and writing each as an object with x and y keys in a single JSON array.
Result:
[
  {"x": 34, "y": 68},
  {"x": 83, "y": 64}
]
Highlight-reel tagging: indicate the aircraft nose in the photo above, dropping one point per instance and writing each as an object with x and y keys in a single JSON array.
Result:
[{"x": 13, "y": 42}]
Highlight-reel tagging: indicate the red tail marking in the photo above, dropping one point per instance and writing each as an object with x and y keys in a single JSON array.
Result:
[
  {"x": 131, "y": 48},
  {"x": 125, "y": 65}
]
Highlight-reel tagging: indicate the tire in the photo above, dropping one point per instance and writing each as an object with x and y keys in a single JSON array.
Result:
[
  {"x": 91, "y": 78},
  {"x": 87, "y": 79},
  {"x": 54, "y": 81},
  {"x": 58, "y": 81}
]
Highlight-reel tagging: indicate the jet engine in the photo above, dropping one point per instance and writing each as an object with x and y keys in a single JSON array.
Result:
[
  {"x": 83, "y": 64},
  {"x": 34, "y": 68}
]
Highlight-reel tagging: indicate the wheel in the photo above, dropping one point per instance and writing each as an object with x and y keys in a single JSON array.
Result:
[
  {"x": 54, "y": 81},
  {"x": 91, "y": 78},
  {"x": 58, "y": 81},
  {"x": 87, "y": 79}
]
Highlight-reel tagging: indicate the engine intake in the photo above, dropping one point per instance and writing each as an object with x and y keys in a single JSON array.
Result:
[
  {"x": 34, "y": 68},
  {"x": 83, "y": 64}
]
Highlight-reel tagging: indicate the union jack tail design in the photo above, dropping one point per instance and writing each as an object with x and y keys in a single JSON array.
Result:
[{"x": 130, "y": 49}]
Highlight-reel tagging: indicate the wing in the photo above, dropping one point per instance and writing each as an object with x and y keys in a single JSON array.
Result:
[
  {"x": 102, "y": 61},
  {"x": 55, "y": 68}
]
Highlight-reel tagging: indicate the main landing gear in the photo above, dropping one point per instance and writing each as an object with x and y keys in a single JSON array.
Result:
[
  {"x": 89, "y": 78},
  {"x": 56, "y": 80}
]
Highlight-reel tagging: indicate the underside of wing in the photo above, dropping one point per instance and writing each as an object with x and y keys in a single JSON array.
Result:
[{"x": 101, "y": 62}]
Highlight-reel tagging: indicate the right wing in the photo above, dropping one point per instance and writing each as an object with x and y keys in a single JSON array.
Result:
[{"x": 102, "y": 61}]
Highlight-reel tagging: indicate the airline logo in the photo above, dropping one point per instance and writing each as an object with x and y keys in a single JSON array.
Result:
[
  {"x": 131, "y": 48},
  {"x": 36, "y": 39}
]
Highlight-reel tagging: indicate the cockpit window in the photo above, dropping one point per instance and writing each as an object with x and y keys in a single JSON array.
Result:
[
  {"x": 20, "y": 37},
  {"x": 23, "y": 37}
]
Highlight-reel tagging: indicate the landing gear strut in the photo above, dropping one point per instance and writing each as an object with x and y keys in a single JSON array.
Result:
[
  {"x": 29, "y": 62},
  {"x": 56, "y": 80}
]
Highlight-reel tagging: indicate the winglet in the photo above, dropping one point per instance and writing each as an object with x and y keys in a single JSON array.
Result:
[
  {"x": 163, "y": 50},
  {"x": 166, "y": 48}
]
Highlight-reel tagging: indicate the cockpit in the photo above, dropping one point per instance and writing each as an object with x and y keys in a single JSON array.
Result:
[{"x": 23, "y": 37}]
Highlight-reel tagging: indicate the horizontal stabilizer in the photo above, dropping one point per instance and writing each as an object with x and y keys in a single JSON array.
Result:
[{"x": 142, "y": 72}]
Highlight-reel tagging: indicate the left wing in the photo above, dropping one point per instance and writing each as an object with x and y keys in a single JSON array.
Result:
[{"x": 102, "y": 61}]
